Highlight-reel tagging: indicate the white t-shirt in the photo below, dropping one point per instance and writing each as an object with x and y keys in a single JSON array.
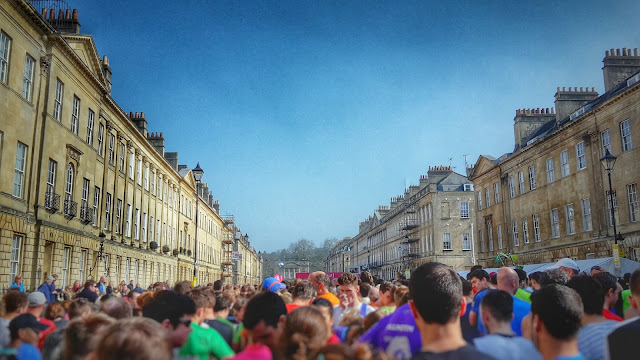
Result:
[{"x": 338, "y": 312}]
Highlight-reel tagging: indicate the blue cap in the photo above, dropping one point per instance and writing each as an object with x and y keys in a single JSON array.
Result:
[{"x": 272, "y": 284}]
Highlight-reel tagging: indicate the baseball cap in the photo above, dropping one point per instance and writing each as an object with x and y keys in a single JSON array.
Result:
[
  {"x": 272, "y": 284},
  {"x": 567, "y": 263},
  {"x": 36, "y": 298},
  {"x": 25, "y": 321},
  {"x": 49, "y": 278}
]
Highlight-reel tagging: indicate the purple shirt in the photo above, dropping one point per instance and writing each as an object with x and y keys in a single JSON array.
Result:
[{"x": 396, "y": 334}]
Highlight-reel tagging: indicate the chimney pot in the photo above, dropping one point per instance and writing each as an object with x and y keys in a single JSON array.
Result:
[
  {"x": 75, "y": 14},
  {"x": 581, "y": 89},
  {"x": 617, "y": 52},
  {"x": 130, "y": 114},
  {"x": 61, "y": 14},
  {"x": 142, "y": 115},
  {"x": 606, "y": 53},
  {"x": 52, "y": 14},
  {"x": 635, "y": 52},
  {"x": 136, "y": 114},
  {"x": 564, "y": 89},
  {"x": 67, "y": 14},
  {"x": 44, "y": 13}
]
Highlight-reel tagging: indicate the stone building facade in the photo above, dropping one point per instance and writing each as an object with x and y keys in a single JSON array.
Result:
[
  {"x": 549, "y": 198},
  {"x": 86, "y": 189},
  {"x": 432, "y": 221}
]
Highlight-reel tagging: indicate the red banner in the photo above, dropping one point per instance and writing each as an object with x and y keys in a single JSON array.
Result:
[{"x": 332, "y": 275}]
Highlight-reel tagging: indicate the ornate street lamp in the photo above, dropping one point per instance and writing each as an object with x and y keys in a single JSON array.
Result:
[
  {"x": 197, "y": 175},
  {"x": 608, "y": 161}
]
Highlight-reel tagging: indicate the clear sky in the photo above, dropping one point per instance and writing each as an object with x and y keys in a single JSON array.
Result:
[{"x": 307, "y": 115}]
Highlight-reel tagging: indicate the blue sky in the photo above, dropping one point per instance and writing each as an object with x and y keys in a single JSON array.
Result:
[{"x": 307, "y": 115}]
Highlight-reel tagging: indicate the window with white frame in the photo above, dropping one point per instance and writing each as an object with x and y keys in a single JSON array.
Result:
[
  {"x": 105, "y": 272},
  {"x": 153, "y": 182},
  {"x": 512, "y": 189},
  {"x": 499, "y": 231},
  {"x": 139, "y": 172},
  {"x": 127, "y": 224},
  {"x": 16, "y": 256},
  {"x": 107, "y": 211},
  {"x": 160, "y": 182},
  {"x": 146, "y": 177},
  {"x": 521, "y": 182},
  {"x": 532, "y": 178},
  {"x": 27, "y": 81},
  {"x": 564, "y": 163},
  {"x": 81, "y": 265},
  {"x": 100, "y": 138},
  {"x": 625, "y": 134},
  {"x": 75, "y": 112},
  {"x": 96, "y": 203},
  {"x": 112, "y": 145},
  {"x": 57, "y": 102},
  {"x": 446, "y": 241},
  {"x": 127, "y": 270},
  {"x": 131, "y": 161},
  {"x": 605, "y": 141},
  {"x": 68, "y": 186},
  {"x": 536, "y": 228},
  {"x": 118, "y": 214},
  {"x": 51, "y": 176},
  {"x": 158, "y": 228},
  {"x": 516, "y": 240},
  {"x": 121, "y": 157},
  {"x": 85, "y": 193},
  {"x": 19, "y": 170},
  {"x": 481, "y": 237},
  {"x": 551, "y": 173},
  {"x": 429, "y": 210},
  {"x": 144, "y": 227},
  {"x": 5, "y": 46},
  {"x": 581, "y": 157},
  {"x": 612, "y": 198},
  {"x": 490, "y": 235},
  {"x": 555, "y": 224},
  {"x": 496, "y": 193},
  {"x": 487, "y": 196},
  {"x": 136, "y": 225},
  {"x": 116, "y": 268},
  {"x": 632, "y": 195},
  {"x": 90, "y": 120},
  {"x": 464, "y": 210},
  {"x": 570, "y": 219},
  {"x": 466, "y": 241},
  {"x": 586, "y": 214},
  {"x": 525, "y": 230},
  {"x": 151, "y": 238},
  {"x": 66, "y": 259}
]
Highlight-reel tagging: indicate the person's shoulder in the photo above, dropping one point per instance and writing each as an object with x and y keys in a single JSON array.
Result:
[
  {"x": 463, "y": 353},
  {"x": 631, "y": 325}
]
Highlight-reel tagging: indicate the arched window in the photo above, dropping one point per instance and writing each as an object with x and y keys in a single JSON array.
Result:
[{"x": 68, "y": 189}]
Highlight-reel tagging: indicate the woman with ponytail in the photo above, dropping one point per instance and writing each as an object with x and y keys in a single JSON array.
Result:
[{"x": 303, "y": 334}]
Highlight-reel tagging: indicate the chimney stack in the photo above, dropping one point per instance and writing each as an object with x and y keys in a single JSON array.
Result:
[
  {"x": 528, "y": 121},
  {"x": 66, "y": 22},
  {"x": 140, "y": 122},
  {"x": 172, "y": 159},
  {"x": 157, "y": 141},
  {"x": 568, "y": 101},
  {"x": 106, "y": 71},
  {"x": 618, "y": 66}
]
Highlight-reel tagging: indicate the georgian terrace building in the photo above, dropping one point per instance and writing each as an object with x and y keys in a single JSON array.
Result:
[
  {"x": 86, "y": 189},
  {"x": 549, "y": 198}
]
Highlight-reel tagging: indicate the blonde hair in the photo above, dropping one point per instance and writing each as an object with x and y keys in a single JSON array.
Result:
[
  {"x": 134, "y": 338},
  {"x": 301, "y": 334}
]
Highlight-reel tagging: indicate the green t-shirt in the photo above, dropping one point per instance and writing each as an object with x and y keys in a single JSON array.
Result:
[
  {"x": 205, "y": 342},
  {"x": 625, "y": 300},
  {"x": 523, "y": 295}
]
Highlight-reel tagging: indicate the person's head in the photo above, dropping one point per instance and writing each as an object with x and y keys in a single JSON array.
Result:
[
  {"x": 554, "y": 276},
  {"x": 55, "y": 277},
  {"x": 610, "y": 287},
  {"x": 132, "y": 297},
  {"x": 401, "y": 295},
  {"x": 17, "y": 279},
  {"x": 182, "y": 287},
  {"x": 15, "y": 302},
  {"x": 134, "y": 338},
  {"x": 173, "y": 311},
  {"x": 222, "y": 306},
  {"x": 480, "y": 280},
  {"x": 436, "y": 295},
  {"x": 634, "y": 285},
  {"x": 81, "y": 307},
  {"x": 522, "y": 277},
  {"x": 304, "y": 291},
  {"x": 54, "y": 311},
  {"x": 131, "y": 282},
  {"x": 83, "y": 334},
  {"x": 301, "y": 334},
  {"x": 570, "y": 267},
  {"x": 326, "y": 308},
  {"x": 36, "y": 303},
  {"x": 272, "y": 284},
  {"x": 557, "y": 313},
  {"x": 263, "y": 318},
  {"x": 364, "y": 289},
  {"x": 467, "y": 290},
  {"x": 49, "y": 280},
  {"x": 596, "y": 270},
  {"x": 366, "y": 278},
  {"x": 371, "y": 319},
  {"x": 90, "y": 284},
  {"x": 508, "y": 280},
  {"x": 590, "y": 292},
  {"x": 25, "y": 327},
  {"x": 374, "y": 294},
  {"x": 103, "y": 279},
  {"x": 348, "y": 285},
  {"x": 387, "y": 289},
  {"x": 496, "y": 309},
  {"x": 117, "y": 308},
  {"x": 536, "y": 278}
]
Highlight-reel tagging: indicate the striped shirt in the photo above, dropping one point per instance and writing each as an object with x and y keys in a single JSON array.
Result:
[{"x": 591, "y": 339}]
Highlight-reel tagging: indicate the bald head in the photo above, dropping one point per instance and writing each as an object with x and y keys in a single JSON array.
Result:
[
  {"x": 508, "y": 280},
  {"x": 320, "y": 281}
]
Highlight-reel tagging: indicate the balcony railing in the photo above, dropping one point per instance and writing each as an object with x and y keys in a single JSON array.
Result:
[
  {"x": 86, "y": 214},
  {"x": 409, "y": 224},
  {"x": 70, "y": 208},
  {"x": 52, "y": 202}
]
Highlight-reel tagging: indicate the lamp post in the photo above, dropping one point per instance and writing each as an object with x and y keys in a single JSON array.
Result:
[
  {"x": 197, "y": 174},
  {"x": 608, "y": 161}
]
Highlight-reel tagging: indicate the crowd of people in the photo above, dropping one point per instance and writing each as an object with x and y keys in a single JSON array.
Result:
[{"x": 561, "y": 313}]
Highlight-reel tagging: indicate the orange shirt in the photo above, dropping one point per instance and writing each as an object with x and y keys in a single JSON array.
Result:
[{"x": 332, "y": 298}]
